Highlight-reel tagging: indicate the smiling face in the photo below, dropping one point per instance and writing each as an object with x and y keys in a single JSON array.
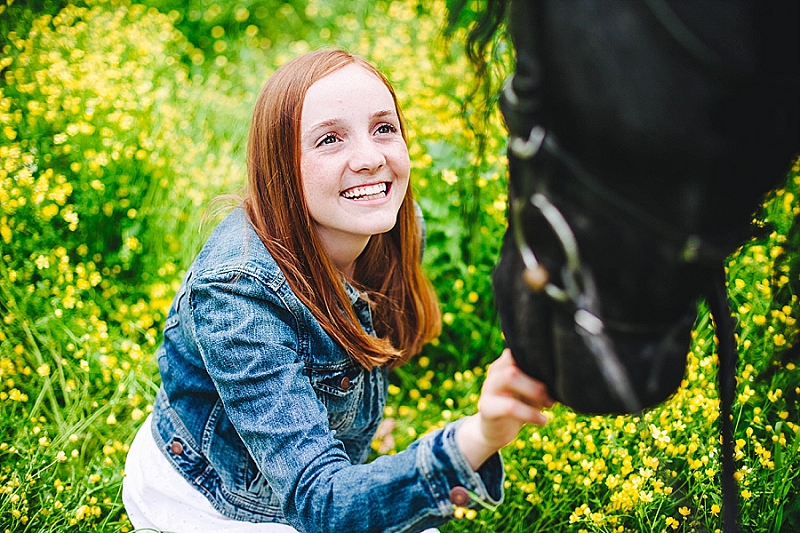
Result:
[{"x": 353, "y": 160}]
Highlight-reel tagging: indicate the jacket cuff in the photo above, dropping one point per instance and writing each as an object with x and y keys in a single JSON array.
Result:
[{"x": 451, "y": 480}]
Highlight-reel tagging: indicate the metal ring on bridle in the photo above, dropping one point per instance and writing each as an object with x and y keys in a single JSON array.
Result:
[
  {"x": 527, "y": 148},
  {"x": 521, "y": 147},
  {"x": 560, "y": 226}
]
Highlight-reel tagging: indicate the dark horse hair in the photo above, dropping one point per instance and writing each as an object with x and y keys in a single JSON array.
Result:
[
  {"x": 482, "y": 30},
  {"x": 643, "y": 136}
]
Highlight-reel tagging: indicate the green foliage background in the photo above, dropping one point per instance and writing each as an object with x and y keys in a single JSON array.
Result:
[{"x": 119, "y": 122}]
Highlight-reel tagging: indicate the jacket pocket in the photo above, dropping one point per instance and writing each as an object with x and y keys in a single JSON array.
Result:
[{"x": 340, "y": 391}]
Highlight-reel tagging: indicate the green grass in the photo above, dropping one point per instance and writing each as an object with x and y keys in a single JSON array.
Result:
[{"x": 119, "y": 123}]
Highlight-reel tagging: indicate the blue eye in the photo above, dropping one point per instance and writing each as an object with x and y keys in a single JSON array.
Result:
[
  {"x": 386, "y": 128},
  {"x": 330, "y": 138}
]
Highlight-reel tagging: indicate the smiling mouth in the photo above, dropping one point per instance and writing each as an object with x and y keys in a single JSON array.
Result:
[{"x": 367, "y": 192}]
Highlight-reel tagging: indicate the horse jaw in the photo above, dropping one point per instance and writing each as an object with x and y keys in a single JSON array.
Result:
[{"x": 543, "y": 339}]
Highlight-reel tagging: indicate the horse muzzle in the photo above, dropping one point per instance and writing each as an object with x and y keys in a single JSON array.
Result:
[{"x": 551, "y": 345}]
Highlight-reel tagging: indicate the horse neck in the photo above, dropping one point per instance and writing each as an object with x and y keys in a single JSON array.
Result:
[{"x": 653, "y": 125}]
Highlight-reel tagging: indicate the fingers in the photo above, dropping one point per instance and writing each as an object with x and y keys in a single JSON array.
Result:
[
  {"x": 505, "y": 407},
  {"x": 509, "y": 399},
  {"x": 506, "y": 378}
]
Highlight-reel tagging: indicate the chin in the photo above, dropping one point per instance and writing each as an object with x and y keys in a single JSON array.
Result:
[
  {"x": 379, "y": 230},
  {"x": 377, "y": 222}
]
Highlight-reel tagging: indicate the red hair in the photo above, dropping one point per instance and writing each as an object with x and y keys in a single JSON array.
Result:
[{"x": 404, "y": 305}]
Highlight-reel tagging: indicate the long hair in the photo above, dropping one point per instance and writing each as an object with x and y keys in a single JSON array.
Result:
[
  {"x": 405, "y": 308},
  {"x": 482, "y": 22}
]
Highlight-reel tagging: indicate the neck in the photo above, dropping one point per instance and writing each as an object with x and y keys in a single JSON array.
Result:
[
  {"x": 347, "y": 270},
  {"x": 344, "y": 251}
]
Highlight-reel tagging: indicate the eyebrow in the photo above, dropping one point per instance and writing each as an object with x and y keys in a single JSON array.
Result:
[
  {"x": 333, "y": 121},
  {"x": 384, "y": 113}
]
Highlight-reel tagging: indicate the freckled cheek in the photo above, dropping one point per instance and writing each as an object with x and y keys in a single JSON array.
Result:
[
  {"x": 317, "y": 178},
  {"x": 401, "y": 184},
  {"x": 402, "y": 164},
  {"x": 406, "y": 176}
]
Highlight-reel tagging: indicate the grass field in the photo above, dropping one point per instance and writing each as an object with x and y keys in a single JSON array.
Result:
[{"x": 120, "y": 122}]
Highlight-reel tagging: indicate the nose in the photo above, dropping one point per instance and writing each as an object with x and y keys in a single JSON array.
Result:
[{"x": 366, "y": 156}]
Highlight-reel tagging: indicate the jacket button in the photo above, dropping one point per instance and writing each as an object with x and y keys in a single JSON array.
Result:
[
  {"x": 345, "y": 383},
  {"x": 459, "y": 496},
  {"x": 176, "y": 447}
]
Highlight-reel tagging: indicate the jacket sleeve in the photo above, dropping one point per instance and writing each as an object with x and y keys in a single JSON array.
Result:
[{"x": 251, "y": 354}]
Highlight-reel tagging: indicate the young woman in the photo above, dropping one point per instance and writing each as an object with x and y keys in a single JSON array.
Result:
[{"x": 277, "y": 347}]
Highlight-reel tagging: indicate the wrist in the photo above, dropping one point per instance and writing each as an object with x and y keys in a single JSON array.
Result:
[{"x": 472, "y": 443}]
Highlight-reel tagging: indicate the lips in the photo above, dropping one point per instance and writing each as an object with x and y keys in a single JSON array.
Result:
[{"x": 366, "y": 192}]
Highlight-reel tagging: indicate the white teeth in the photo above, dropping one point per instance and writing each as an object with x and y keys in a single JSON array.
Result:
[{"x": 362, "y": 193}]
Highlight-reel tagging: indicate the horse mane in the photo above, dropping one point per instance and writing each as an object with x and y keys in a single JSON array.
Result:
[
  {"x": 486, "y": 47},
  {"x": 482, "y": 25}
]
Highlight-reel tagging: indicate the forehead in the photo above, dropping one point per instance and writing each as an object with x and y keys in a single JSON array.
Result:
[{"x": 350, "y": 89}]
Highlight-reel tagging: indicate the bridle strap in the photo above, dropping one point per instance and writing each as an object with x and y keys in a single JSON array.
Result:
[{"x": 720, "y": 309}]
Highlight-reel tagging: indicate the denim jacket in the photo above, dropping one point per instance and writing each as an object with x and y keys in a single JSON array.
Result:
[{"x": 264, "y": 414}]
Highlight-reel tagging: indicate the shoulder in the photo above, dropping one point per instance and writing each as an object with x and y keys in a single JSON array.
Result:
[
  {"x": 233, "y": 250},
  {"x": 235, "y": 285},
  {"x": 235, "y": 266}
]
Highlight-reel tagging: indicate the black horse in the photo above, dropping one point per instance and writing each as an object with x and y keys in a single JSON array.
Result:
[{"x": 644, "y": 135}]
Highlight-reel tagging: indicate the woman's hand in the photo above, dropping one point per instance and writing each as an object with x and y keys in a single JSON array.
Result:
[{"x": 509, "y": 400}]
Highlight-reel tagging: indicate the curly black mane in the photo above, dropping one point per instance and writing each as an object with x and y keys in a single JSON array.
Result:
[{"x": 482, "y": 25}]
